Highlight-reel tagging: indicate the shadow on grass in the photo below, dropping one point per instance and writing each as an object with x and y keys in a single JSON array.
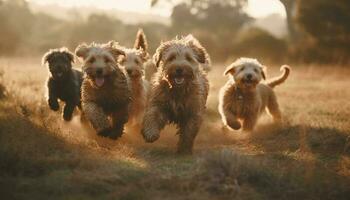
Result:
[
  {"x": 327, "y": 141},
  {"x": 38, "y": 164},
  {"x": 231, "y": 174}
]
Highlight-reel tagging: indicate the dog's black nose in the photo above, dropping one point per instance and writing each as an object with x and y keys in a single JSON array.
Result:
[
  {"x": 179, "y": 71},
  {"x": 99, "y": 71},
  {"x": 249, "y": 76},
  {"x": 129, "y": 71}
]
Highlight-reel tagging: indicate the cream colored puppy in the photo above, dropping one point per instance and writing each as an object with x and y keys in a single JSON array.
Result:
[
  {"x": 244, "y": 97},
  {"x": 133, "y": 62}
]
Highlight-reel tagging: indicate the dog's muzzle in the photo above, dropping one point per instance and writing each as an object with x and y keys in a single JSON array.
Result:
[
  {"x": 134, "y": 74},
  {"x": 249, "y": 80},
  {"x": 179, "y": 77},
  {"x": 58, "y": 75}
]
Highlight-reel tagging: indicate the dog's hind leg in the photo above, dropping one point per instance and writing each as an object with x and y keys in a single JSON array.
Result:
[
  {"x": 118, "y": 121},
  {"x": 273, "y": 108},
  {"x": 187, "y": 133},
  {"x": 249, "y": 122}
]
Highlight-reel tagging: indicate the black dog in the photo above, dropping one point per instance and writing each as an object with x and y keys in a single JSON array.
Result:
[{"x": 64, "y": 82}]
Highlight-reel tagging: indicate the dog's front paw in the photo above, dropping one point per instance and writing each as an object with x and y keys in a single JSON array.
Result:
[
  {"x": 150, "y": 136},
  {"x": 67, "y": 117},
  {"x": 116, "y": 133},
  {"x": 236, "y": 125},
  {"x": 54, "y": 105},
  {"x": 105, "y": 132}
]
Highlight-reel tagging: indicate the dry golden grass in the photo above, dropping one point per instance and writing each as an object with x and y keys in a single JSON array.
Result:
[{"x": 308, "y": 157}]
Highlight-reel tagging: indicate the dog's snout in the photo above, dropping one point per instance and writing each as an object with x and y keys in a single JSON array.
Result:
[
  {"x": 179, "y": 71},
  {"x": 249, "y": 76},
  {"x": 129, "y": 71},
  {"x": 99, "y": 71}
]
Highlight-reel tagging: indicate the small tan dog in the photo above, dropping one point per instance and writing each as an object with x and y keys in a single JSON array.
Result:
[
  {"x": 105, "y": 89},
  {"x": 179, "y": 91},
  {"x": 133, "y": 62},
  {"x": 244, "y": 97}
]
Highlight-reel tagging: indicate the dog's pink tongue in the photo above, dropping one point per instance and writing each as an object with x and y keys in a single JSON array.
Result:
[{"x": 99, "y": 81}]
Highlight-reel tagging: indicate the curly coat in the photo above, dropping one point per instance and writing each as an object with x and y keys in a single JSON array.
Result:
[
  {"x": 179, "y": 91},
  {"x": 105, "y": 90},
  {"x": 243, "y": 98},
  {"x": 133, "y": 62}
]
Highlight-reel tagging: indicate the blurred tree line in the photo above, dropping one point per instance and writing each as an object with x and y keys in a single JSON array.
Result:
[{"x": 318, "y": 30}]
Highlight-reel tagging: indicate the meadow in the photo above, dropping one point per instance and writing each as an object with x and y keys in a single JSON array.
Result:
[{"x": 306, "y": 157}]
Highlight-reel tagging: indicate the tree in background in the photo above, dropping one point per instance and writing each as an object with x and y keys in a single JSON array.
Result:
[
  {"x": 327, "y": 24},
  {"x": 15, "y": 22},
  {"x": 257, "y": 43},
  {"x": 203, "y": 18},
  {"x": 290, "y": 8}
]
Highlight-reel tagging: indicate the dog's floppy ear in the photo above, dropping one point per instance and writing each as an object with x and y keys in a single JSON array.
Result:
[
  {"x": 263, "y": 70},
  {"x": 67, "y": 53},
  {"x": 157, "y": 57},
  {"x": 46, "y": 57},
  {"x": 82, "y": 50},
  {"x": 115, "y": 49},
  {"x": 201, "y": 53},
  {"x": 231, "y": 69},
  {"x": 141, "y": 41}
]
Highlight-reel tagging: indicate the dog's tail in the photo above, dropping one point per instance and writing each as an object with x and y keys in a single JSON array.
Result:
[{"x": 280, "y": 79}]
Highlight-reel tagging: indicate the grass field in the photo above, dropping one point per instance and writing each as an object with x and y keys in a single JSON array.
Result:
[{"x": 308, "y": 157}]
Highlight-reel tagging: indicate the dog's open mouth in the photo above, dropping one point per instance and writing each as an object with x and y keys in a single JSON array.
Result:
[
  {"x": 179, "y": 80},
  {"x": 99, "y": 81},
  {"x": 249, "y": 82}
]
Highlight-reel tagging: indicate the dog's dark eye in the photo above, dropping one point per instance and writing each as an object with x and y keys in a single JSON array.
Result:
[
  {"x": 255, "y": 70},
  {"x": 242, "y": 68},
  {"x": 92, "y": 60},
  {"x": 137, "y": 61},
  {"x": 189, "y": 58},
  {"x": 106, "y": 59},
  {"x": 171, "y": 58}
]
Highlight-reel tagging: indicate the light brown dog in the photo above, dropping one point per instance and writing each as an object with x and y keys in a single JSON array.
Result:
[
  {"x": 133, "y": 62},
  {"x": 179, "y": 91},
  {"x": 105, "y": 89},
  {"x": 244, "y": 97}
]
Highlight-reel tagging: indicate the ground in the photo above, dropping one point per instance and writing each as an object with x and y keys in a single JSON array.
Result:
[{"x": 308, "y": 157}]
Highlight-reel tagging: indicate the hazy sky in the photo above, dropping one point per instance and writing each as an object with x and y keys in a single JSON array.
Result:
[{"x": 256, "y": 8}]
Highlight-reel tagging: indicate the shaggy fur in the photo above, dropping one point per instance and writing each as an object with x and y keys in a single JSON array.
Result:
[
  {"x": 133, "y": 62},
  {"x": 244, "y": 98},
  {"x": 179, "y": 91},
  {"x": 64, "y": 82},
  {"x": 105, "y": 89}
]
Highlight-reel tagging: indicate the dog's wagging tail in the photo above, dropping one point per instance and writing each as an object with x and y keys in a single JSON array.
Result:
[{"x": 280, "y": 79}]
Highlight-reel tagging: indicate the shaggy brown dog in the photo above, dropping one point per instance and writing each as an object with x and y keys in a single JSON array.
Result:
[
  {"x": 133, "y": 62},
  {"x": 179, "y": 91},
  {"x": 105, "y": 89},
  {"x": 64, "y": 82},
  {"x": 244, "y": 98}
]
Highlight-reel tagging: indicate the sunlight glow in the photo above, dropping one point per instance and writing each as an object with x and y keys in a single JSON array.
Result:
[
  {"x": 262, "y": 8},
  {"x": 139, "y": 6},
  {"x": 256, "y": 8}
]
